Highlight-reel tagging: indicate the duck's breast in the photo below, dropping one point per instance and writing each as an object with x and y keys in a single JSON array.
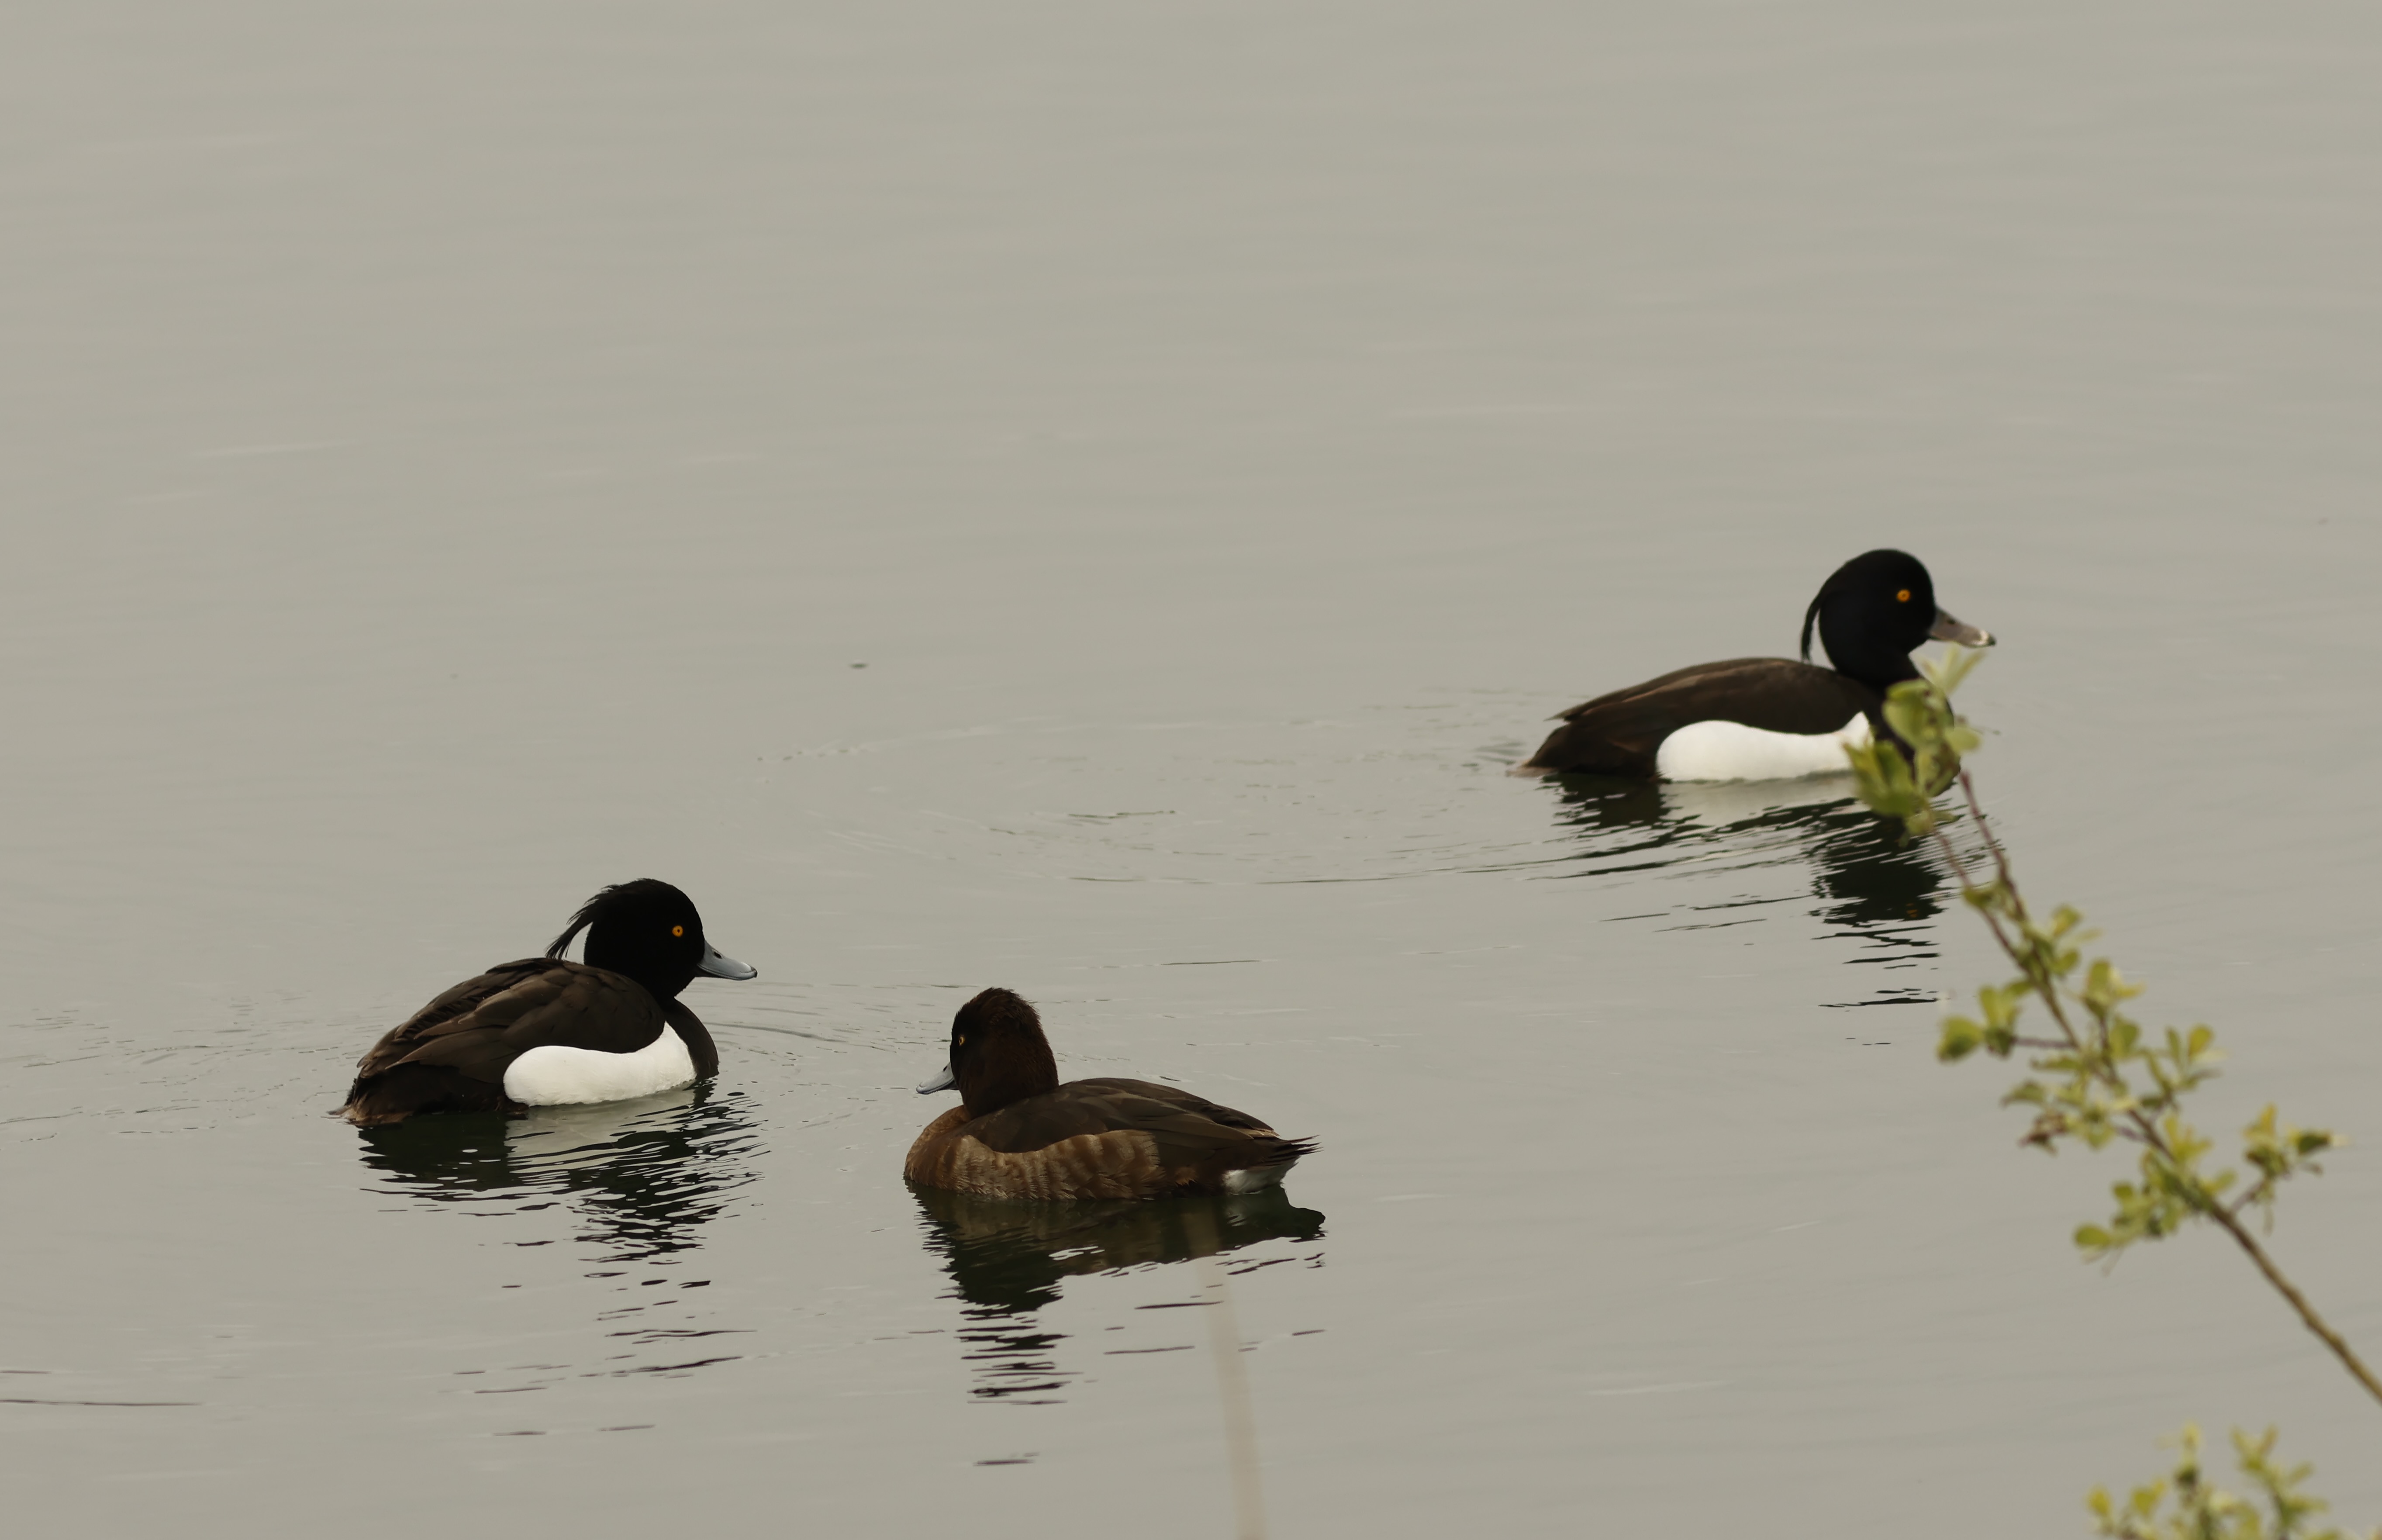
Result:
[
  {"x": 554, "y": 1076},
  {"x": 1732, "y": 751},
  {"x": 1715, "y": 721}
]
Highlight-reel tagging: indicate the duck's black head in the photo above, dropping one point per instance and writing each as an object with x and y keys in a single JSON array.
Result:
[
  {"x": 649, "y": 931},
  {"x": 998, "y": 1054},
  {"x": 1874, "y": 611}
]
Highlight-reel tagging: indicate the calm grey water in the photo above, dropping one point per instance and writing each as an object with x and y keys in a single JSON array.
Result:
[{"x": 1093, "y": 500}]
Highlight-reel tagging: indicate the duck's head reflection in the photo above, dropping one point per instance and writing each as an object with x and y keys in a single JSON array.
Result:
[
  {"x": 644, "y": 1176},
  {"x": 1869, "y": 883},
  {"x": 1009, "y": 1258}
]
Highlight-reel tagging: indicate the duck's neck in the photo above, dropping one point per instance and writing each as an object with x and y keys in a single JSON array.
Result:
[
  {"x": 661, "y": 979},
  {"x": 1019, "y": 1071},
  {"x": 1879, "y": 667}
]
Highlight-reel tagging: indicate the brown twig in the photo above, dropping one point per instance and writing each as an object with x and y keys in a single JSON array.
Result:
[
  {"x": 2145, "y": 1129},
  {"x": 2308, "y": 1317}
]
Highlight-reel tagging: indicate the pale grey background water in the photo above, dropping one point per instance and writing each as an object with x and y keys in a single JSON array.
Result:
[{"x": 453, "y": 456}]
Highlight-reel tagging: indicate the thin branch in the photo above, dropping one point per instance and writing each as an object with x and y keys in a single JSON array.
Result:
[
  {"x": 2308, "y": 1317},
  {"x": 2145, "y": 1129},
  {"x": 1985, "y": 831}
]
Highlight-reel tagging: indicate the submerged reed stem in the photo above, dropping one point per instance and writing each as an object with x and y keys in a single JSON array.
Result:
[{"x": 1232, "y": 1390}]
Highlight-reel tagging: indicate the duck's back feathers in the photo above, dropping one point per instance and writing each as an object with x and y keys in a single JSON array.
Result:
[
  {"x": 451, "y": 1055},
  {"x": 1101, "y": 1139},
  {"x": 483, "y": 1023},
  {"x": 1620, "y": 734}
]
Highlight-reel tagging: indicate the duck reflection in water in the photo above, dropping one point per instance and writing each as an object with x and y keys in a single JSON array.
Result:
[
  {"x": 1869, "y": 883},
  {"x": 644, "y": 1177},
  {"x": 1009, "y": 1258}
]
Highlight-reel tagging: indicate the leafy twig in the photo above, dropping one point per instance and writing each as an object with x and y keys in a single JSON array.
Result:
[
  {"x": 2100, "y": 1078},
  {"x": 2207, "y": 1512}
]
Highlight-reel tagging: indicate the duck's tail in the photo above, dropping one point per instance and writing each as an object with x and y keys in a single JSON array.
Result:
[
  {"x": 407, "y": 1090},
  {"x": 1264, "y": 1161}
]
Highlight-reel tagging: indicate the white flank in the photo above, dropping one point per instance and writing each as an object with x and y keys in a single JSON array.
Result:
[
  {"x": 1255, "y": 1180},
  {"x": 1732, "y": 751},
  {"x": 555, "y": 1076}
]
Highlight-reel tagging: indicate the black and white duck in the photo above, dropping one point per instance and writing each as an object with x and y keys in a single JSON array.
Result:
[
  {"x": 547, "y": 1032},
  {"x": 1765, "y": 718}
]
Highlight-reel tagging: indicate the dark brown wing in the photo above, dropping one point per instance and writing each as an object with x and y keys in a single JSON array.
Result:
[
  {"x": 1098, "y": 1139},
  {"x": 1618, "y": 734},
  {"x": 1190, "y": 1131},
  {"x": 483, "y": 1024}
]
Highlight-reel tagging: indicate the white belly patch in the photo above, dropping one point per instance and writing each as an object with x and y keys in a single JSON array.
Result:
[
  {"x": 1732, "y": 751},
  {"x": 554, "y": 1076}
]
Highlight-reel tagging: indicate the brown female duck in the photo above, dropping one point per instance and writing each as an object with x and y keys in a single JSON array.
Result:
[{"x": 1018, "y": 1133}]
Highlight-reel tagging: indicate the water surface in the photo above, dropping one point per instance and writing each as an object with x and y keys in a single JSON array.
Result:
[{"x": 1095, "y": 503}]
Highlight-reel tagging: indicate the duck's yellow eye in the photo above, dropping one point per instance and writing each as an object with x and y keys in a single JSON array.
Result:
[
  {"x": 1902, "y": 598},
  {"x": 678, "y": 930},
  {"x": 959, "y": 1043}
]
